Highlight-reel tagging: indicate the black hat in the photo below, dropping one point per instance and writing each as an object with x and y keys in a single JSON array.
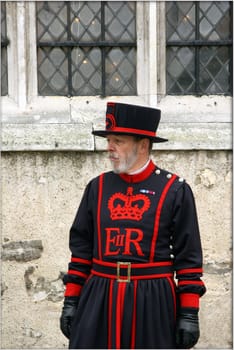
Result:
[{"x": 128, "y": 119}]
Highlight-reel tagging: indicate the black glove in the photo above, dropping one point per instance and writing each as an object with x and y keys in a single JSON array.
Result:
[
  {"x": 68, "y": 312},
  {"x": 187, "y": 331}
]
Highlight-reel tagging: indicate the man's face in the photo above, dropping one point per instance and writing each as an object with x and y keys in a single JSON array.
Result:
[{"x": 123, "y": 153}]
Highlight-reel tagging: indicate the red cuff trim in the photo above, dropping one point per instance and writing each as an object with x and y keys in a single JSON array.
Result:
[
  {"x": 72, "y": 290},
  {"x": 189, "y": 300}
]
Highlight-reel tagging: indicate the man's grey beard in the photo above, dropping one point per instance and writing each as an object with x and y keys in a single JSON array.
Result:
[{"x": 125, "y": 165}]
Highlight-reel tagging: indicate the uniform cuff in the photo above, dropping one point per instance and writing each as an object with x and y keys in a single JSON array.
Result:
[
  {"x": 188, "y": 300},
  {"x": 72, "y": 290}
]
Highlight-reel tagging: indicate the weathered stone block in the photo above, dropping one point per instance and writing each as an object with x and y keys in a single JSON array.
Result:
[
  {"x": 22, "y": 250},
  {"x": 40, "y": 288}
]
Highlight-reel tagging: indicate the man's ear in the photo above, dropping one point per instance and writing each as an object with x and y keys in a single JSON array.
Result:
[{"x": 144, "y": 145}]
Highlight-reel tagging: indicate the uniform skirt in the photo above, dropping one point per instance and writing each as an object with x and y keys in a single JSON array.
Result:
[{"x": 140, "y": 314}]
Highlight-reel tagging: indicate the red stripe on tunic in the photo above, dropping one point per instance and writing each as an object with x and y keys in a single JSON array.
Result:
[
  {"x": 100, "y": 190},
  {"x": 110, "y": 315},
  {"x": 133, "y": 335},
  {"x": 172, "y": 284},
  {"x": 158, "y": 214},
  {"x": 119, "y": 313}
]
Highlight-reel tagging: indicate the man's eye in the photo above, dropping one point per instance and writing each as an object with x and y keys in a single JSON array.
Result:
[{"x": 118, "y": 141}]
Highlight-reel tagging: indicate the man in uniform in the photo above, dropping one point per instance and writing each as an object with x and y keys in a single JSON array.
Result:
[{"x": 134, "y": 279}]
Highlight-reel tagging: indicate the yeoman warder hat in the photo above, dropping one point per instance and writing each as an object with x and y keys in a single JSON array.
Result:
[{"x": 128, "y": 119}]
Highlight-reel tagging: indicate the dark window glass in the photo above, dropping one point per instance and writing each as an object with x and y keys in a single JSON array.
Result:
[
  {"x": 86, "y": 48},
  {"x": 4, "y": 43},
  {"x": 199, "y": 47}
]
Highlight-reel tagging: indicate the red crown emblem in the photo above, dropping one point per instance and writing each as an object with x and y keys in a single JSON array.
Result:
[{"x": 127, "y": 206}]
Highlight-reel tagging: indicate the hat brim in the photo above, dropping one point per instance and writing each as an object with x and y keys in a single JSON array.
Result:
[{"x": 104, "y": 133}]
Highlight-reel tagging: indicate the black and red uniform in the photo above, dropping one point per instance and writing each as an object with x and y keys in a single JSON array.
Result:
[{"x": 136, "y": 259}]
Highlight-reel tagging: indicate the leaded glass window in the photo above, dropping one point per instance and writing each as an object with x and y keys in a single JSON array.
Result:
[
  {"x": 4, "y": 43},
  {"x": 199, "y": 47},
  {"x": 86, "y": 48}
]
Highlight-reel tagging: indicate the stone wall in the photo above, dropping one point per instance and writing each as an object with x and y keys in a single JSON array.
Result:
[{"x": 40, "y": 195}]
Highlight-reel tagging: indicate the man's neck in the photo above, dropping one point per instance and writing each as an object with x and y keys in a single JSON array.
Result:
[{"x": 139, "y": 170}]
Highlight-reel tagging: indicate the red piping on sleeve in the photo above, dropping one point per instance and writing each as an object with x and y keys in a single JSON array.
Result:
[
  {"x": 82, "y": 261},
  {"x": 188, "y": 271},
  {"x": 78, "y": 273},
  {"x": 158, "y": 214}
]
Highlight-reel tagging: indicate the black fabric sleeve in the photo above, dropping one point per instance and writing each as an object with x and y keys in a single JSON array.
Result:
[
  {"x": 187, "y": 249},
  {"x": 81, "y": 245}
]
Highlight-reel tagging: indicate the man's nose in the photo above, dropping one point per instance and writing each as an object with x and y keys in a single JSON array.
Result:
[{"x": 110, "y": 146}]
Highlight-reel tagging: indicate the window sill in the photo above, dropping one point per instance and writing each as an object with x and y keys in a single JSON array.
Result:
[
  {"x": 78, "y": 137},
  {"x": 62, "y": 124}
]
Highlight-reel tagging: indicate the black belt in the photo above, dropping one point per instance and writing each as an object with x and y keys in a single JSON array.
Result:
[{"x": 123, "y": 271}]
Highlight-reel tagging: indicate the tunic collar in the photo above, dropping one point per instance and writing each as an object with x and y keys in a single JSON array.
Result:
[{"x": 144, "y": 174}]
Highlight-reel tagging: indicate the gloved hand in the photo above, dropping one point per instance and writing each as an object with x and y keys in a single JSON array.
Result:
[
  {"x": 68, "y": 312},
  {"x": 187, "y": 330}
]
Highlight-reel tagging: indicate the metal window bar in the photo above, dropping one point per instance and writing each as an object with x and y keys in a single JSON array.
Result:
[
  {"x": 4, "y": 44},
  {"x": 198, "y": 43},
  {"x": 231, "y": 49},
  {"x": 102, "y": 44}
]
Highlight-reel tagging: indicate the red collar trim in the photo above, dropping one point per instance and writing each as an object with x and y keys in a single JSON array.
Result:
[{"x": 141, "y": 176}]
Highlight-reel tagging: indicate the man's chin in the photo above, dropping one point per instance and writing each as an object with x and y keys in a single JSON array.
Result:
[{"x": 116, "y": 171}]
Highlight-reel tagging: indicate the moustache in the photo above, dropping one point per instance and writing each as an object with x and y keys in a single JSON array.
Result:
[{"x": 113, "y": 155}]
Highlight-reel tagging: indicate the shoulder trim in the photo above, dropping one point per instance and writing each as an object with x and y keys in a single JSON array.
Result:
[{"x": 168, "y": 174}]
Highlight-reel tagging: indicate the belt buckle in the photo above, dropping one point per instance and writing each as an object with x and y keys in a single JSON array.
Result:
[{"x": 128, "y": 277}]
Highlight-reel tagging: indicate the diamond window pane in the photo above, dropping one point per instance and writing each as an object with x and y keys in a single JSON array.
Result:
[
  {"x": 180, "y": 21},
  {"x": 51, "y": 20},
  {"x": 120, "y": 27},
  {"x": 214, "y": 18},
  {"x": 214, "y": 69},
  {"x": 4, "y": 42},
  {"x": 86, "y": 48},
  {"x": 52, "y": 76},
  {"x": 85, "y": 21},
  {"x": 86, "y": 72},
  {"x": 181, "y": 70},
  {"x": 121, "y": 75}
]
